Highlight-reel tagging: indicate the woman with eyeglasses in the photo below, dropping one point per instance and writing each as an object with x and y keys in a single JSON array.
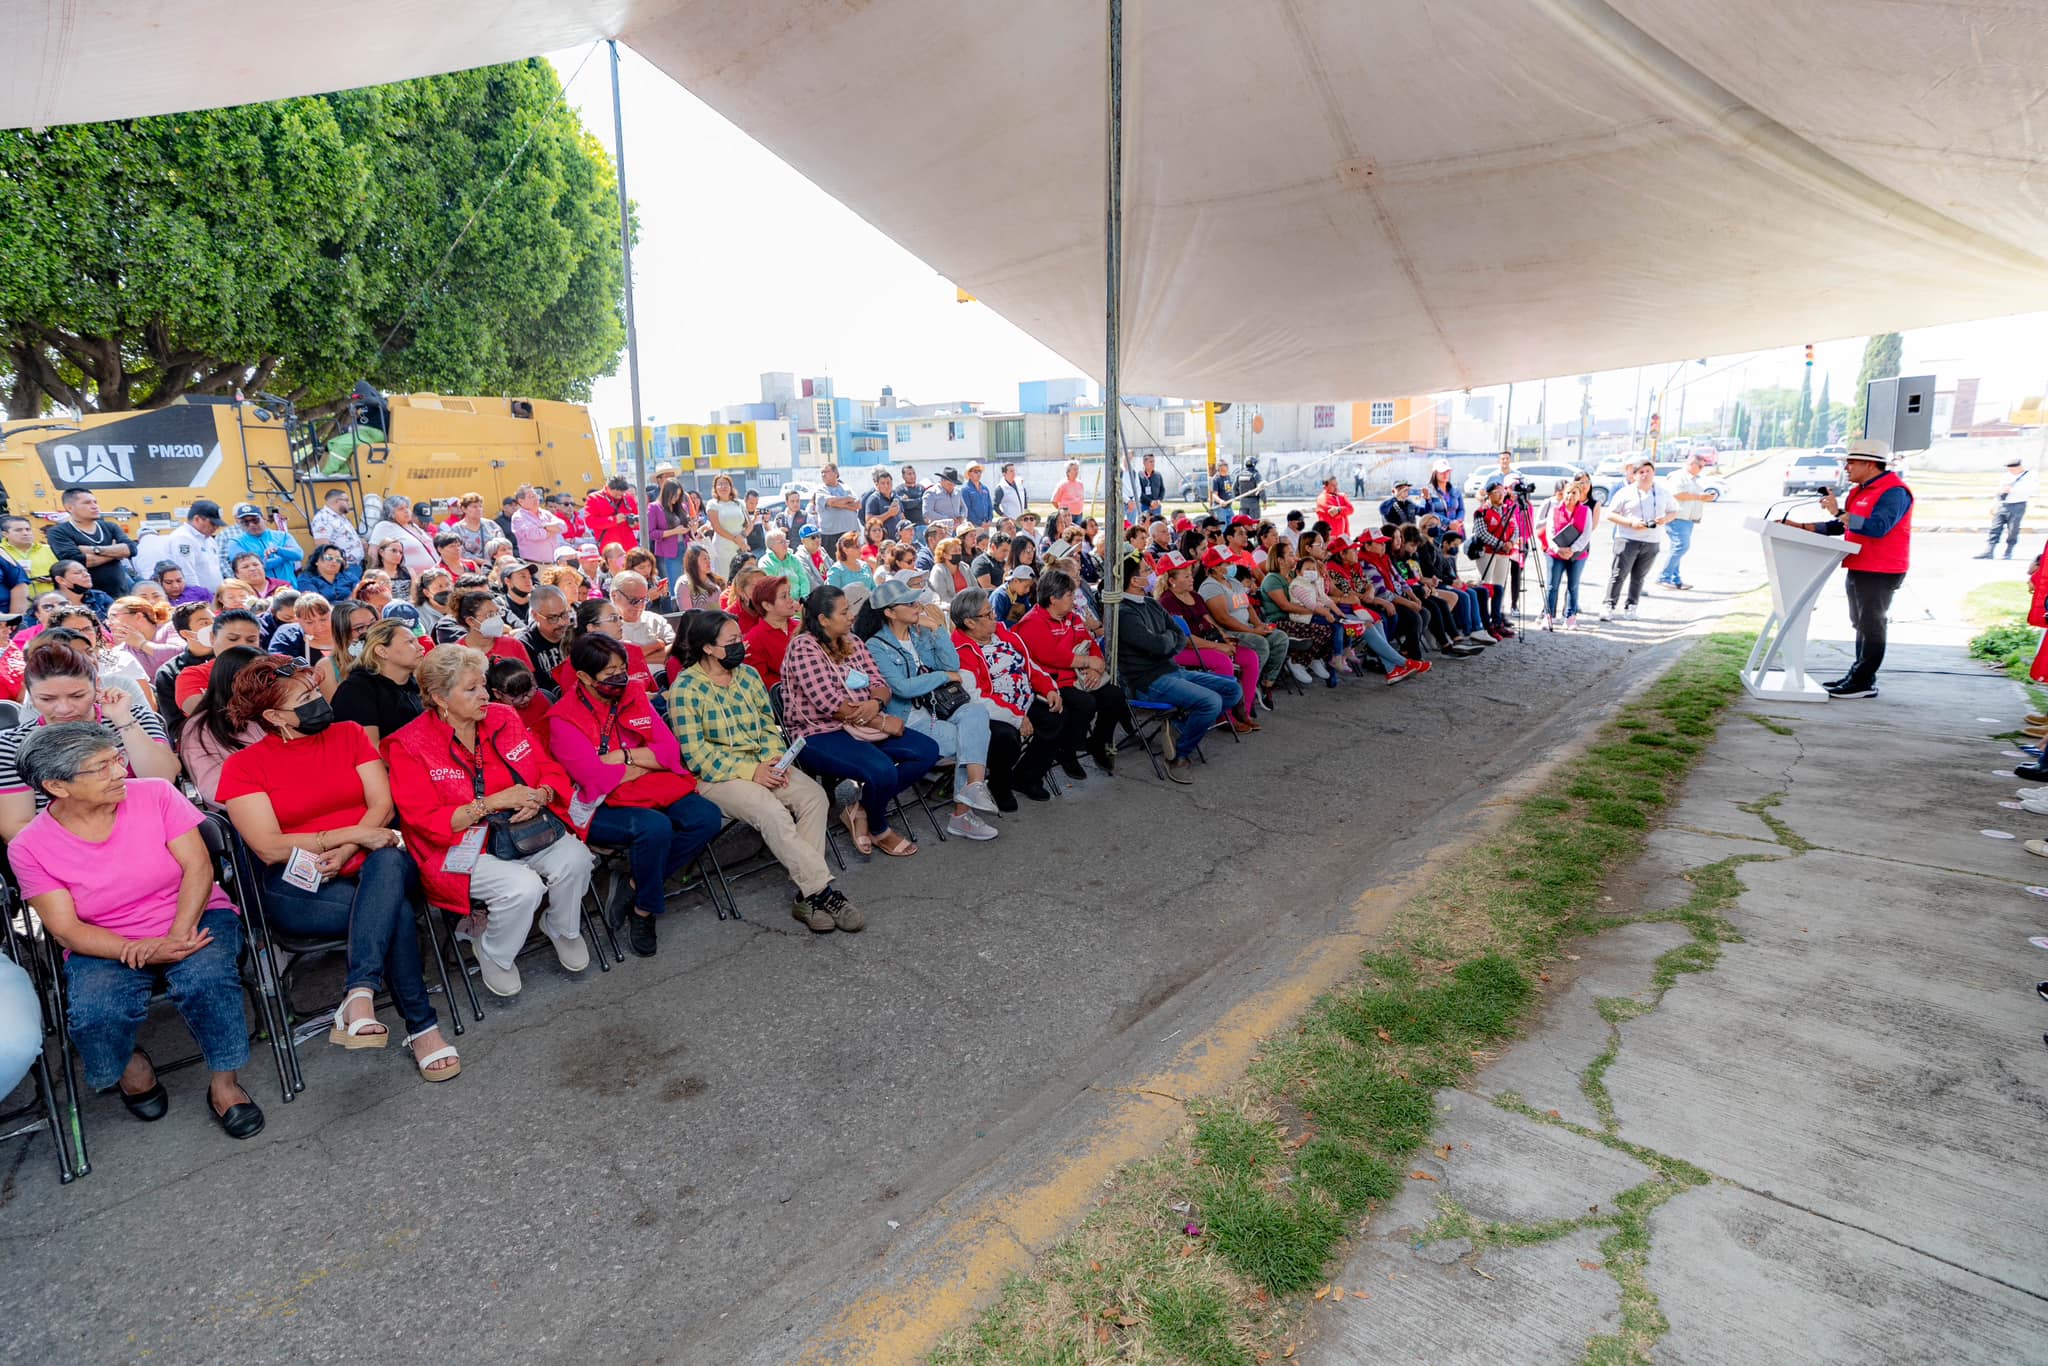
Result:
[
  {"x": 619, "y": 754},
  {"x": 481, "y": 619},
  {"x": 603, "y": 617},
  {"x": 311, "y": 794},
  {"x": 328, "y": 573},
  {"x": 400, "y": 527},
  {"x": 1027, "y": 714}
]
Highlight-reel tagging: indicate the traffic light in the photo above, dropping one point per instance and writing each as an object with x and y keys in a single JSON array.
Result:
[
  {"x": 1656, "y": 424},
  {"x": 1809, "y": 355}
]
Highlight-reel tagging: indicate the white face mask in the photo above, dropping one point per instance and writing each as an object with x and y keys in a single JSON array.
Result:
[
  {"x": 203, "y": 637},
  {"x": 491, "y": 627},
  {"x": 355, "y": 649}
]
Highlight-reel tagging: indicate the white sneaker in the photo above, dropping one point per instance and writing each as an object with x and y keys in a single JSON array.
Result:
[
  {"x": 1319, "y": 669},
  {"x": 1571, "y": 623},
  {"x": 1629, "y": 614},
  {"x": 967, "y": 825},
  {"x": 1546, "y": 622},
  {"x": 1476, "y": 639},
  {"x": 1301, "y": 675},
  {"x": 977, "y": 796},
  {"x": 499, "y": 981},
  {"x": 1607, "y": 614},
  {"x": 574, "y": 953}
]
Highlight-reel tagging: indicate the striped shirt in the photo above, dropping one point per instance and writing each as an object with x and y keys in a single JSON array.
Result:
[{"x": 11, "y": 742}]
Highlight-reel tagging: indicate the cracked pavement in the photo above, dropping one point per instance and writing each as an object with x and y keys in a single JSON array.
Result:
[{"x": 1860, "y": 1081}]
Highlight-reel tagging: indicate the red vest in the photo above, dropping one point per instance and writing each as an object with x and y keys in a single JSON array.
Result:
[{"x": 1886, "y": 554}]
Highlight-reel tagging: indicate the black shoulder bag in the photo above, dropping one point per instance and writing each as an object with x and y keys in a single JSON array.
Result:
[
  {"x": 515, "y": 840},
  {"x": 941, "y": 701}
]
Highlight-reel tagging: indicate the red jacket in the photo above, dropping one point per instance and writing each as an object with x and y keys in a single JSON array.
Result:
[
  {"x": 972, "y": 660},
  {"x": 1051, "y": 643},
  {"x": 636, "y": 671},
  {"x": 431, "y": 775},
  {"x": 1335, "y": 509},
  {"x": 765, "y": 648},
  {"x": 580, "y": 734},
  {"x": 602, "y": 510}
]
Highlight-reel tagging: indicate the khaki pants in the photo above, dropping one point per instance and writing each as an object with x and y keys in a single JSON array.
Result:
[{"x": 791, "y": 821}]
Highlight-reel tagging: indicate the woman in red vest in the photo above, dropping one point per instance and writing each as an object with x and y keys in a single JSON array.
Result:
[
  {"x": 1878, "y": 520},
  {"x": 620, "y": 755}
]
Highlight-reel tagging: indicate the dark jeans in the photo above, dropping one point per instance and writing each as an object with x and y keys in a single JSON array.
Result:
[
  {"x": 1404, "y": 628},
  {"x": 1198, "y": 699},
  {"x": 1870, "y": 603},
  {"x": 110, "y": 1001},
  {"x": 1441, "y": 627},
  {"x": 659, "y": 841},
  {"x": 2007, "y": 520},
  {"x": 1515, "y": 579},
  {"x": 377, "y": 912},
  {"x": 1092, "y": 719},
  {"x": 1015, "y": 762},
  {"x": 883, "y": 768},
  {"x": 1632, "y": 561}
]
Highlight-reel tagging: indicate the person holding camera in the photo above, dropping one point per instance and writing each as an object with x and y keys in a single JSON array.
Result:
[
  {"x": 612, "y": 513},
  {"x": 1639, "y": 513},
  {"x": 1497, "y": 536}
]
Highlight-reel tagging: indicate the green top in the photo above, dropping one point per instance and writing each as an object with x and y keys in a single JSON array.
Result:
[
  {"x": 793, "y": 567},
  {"x": 1272, "y": 583},
  {"x": 724, "y": 732}
]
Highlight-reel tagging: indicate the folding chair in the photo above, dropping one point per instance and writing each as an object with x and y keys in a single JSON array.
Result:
[
  {"x": 831, "y": 835},
  {"x": 272, "y": 943},
  {"x": 1148, "y": 722},
  {"x": 536, "y": 940},
  {"x": 41, "y": 1078}
]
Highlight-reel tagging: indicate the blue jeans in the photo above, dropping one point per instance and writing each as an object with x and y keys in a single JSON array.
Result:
[
  {"x": 21, "y": 1024},
  {"x": 961, "y": 737},
  {"x": 1680, "y": 533},
  {"x": 1374, "y": 638},
  {"x": 659, "y": 841},
  {"x": 377, "y": 911},
  {"x": 1198, "y": 698},
  {"x": 1566, "y": 572},
  {"x": 110, "y": 1002},
  {"x": 883, "y": 768}
]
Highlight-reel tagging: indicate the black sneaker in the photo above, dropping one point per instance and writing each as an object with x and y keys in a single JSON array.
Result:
[
  {"x": 1006, "y": 801},
  {"x": 1032, "y": 791},
  {"x": 1849, "y": 690},
  {"x": 640, "y": 934},
  {"x": 1070, "y": 764},
  {"x": 1104, "y": 760}
]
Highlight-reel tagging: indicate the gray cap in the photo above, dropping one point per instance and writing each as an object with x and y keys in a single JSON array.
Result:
[{"x": 892, "y": 593}]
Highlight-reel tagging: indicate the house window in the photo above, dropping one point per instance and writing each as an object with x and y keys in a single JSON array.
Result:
[
  {"x": 956, "y": 431},
  {"x": 1176, "y": 424},
  {"x": 735, "y": 443},
  {"x": 1383, "y": 412},
  {"x": 902, "y": 433},
  {"x": 1091, "y": 424},
  {"x": 803, "y": 445},
  {"x": 1006, "y": 436},
  {"x": 825, "y": 445},
  {"x": 707, "y": 444},
  {"x": 1325, "y": 416}
]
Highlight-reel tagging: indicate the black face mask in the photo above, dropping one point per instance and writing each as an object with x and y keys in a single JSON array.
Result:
[
  {"x": 733, "y": 655},
  {"x": 313, "y": 715},
  {"x": 441, "y": 599},
  {"x": 611, "y": 689}
]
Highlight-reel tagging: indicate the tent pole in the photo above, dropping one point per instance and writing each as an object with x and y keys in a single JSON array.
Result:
[
  {"x": 1112, "y": 391},
  {"x": 626, "y": 251}
]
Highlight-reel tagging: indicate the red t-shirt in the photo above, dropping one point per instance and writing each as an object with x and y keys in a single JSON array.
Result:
[
  {"x": 312, "y": 781},
  {"x": 192, "y": 682},
  {"x": 765, "y": 649}
]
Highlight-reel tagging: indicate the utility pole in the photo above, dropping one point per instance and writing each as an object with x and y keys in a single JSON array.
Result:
[
  {"x": 626, "y": 251},
  {"x": 1507, "y": 420},
  {"x": 1112, "y": 394},
  {"x": 1585, "y": 411}
]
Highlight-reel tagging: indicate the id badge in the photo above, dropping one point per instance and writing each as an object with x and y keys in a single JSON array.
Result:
[
  {"x": 302, "y": 870},
  {"x": 463, "y": 854}
]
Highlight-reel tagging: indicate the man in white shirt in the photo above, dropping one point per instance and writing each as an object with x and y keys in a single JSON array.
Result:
[
  {"x": 193, "y": 545},
  {"x": 2008, "y": 506},
  {"x": 1689, "y": 499},
  {"x": 638, "y": 626},
  {"x": 335, "y": 524},
  {"x": 1009, "y": 495},
  {"x": 1636, "y": 513}
]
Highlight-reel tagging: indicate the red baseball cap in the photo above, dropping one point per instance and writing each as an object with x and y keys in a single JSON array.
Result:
[
  {"x": 1242, "y": 520},
  {"x": 1169, "y": 561},
  {"x": 1216, "y": 556},
  {"x": 1339, "y": 545}
]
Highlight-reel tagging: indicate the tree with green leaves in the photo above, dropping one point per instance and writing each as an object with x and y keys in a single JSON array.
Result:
[
  {"x": 458, "y": 234},
  {"x": 1881, "y": 357},
  {"x": 1802, "y": 416}
]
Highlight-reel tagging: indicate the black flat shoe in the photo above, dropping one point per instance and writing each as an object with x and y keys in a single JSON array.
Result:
[
  {"x": 151, "y": 1105},
  {"x": 240, "y": 1121},
  {"x": 640, "y": 934},
  {"x": 1033, "y": 790},
  {"x": 1104, "y": 760},
  {"x": 1071, "y": 766},
  {"x": 1006, "y": 801}
]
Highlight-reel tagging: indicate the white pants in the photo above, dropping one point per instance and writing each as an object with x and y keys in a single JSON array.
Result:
[{"x": 512, "y": 892}]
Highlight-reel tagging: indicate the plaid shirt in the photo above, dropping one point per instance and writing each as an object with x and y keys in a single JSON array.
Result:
[
  {"x": 724, "y": 732},
  {"x": 814, "y": 686}
]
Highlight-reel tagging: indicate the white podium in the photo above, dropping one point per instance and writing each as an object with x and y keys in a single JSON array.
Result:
[{"x": 1799, "y": 564}]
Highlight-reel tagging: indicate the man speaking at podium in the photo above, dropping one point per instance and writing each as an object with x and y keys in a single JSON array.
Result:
[{"x": 1878, "y": 519}]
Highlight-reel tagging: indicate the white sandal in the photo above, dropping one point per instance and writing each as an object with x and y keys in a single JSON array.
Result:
[
  {"x": 445, "y": 1073},
  {"x": 353, "y": 1034}
]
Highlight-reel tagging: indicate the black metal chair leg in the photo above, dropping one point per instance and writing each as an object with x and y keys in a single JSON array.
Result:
[{"x": 441, "y": 967}]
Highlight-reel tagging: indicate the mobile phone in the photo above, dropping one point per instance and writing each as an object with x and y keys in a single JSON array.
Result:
[{"x": 789, "y": 756}]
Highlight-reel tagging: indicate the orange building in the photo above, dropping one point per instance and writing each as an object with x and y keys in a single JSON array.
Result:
[{"x": 1396, "y": 422}]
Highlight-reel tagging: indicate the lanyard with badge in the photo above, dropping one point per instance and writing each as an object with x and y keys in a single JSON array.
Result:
[{"x": 463, "y": 854}]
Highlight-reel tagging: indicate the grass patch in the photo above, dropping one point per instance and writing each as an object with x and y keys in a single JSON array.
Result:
[
  {"x": 1192, "y": 1255},
  {"x": 2003, "y": 639}
]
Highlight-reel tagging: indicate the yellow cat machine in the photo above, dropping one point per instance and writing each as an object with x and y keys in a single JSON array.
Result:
[{"x": 148, "y": 467}]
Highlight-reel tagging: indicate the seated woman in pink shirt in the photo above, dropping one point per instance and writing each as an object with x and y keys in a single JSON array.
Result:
[{"x": 117, "y": 872}]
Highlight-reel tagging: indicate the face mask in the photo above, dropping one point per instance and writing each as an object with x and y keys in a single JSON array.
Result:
[
  {"x": 313, "y": 715},
  {"x": 441, "y": 598},
  {"x": 355, "y": 649},
  {"x": 203, "y": 637},
  {"x": 610, "y": 688},
  {"x": 490, "y": 628},
  {"x": 856, "y": 679},
  {"x": 518, "y": 700},
  {"x": 733, "y": 655}
]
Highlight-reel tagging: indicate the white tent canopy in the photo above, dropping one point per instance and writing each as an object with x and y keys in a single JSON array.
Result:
[{"x": 1323, "y": 197}]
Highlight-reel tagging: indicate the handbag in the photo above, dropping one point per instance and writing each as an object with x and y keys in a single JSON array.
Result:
[
  {"x": 513, "y": 840},
  {"x": 941, "y": 701}
]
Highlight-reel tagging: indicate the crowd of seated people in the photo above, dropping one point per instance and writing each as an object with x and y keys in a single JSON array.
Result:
[{"x": 420, "y": 722}]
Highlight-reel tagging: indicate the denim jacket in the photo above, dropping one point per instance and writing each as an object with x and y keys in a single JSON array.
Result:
[{"x": 931, "y": 648}]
